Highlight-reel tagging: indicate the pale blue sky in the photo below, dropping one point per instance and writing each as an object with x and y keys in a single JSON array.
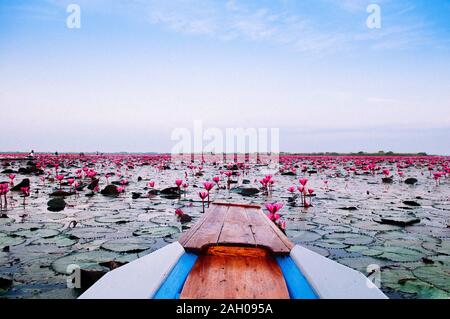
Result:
[{"x": 138, "y": 69}]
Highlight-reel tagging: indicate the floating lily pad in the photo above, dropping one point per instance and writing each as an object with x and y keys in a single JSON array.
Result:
[
  {"x": 331, "y": 244},
  {"x": 440, "y": 248},
  {"x": 334, "y": 229},
  {"x": 429, "y": 230},
  {"x": 21, "y": 226},
  {"x": 360, "y": 263},
  {"x": 301, "y": 236},
  {"x": 443, "y": 206},
  {"x": 172, "y": 238},
  {"x": 404, "y": 280},
  {"x": 60, "y": 241},
  {"x": 128, "y": 245},
  {"x": 116, "y": 219},
  {"x": 367, "y": 251},
  {"x": 435, "y": 275},
  {"x": 298, "y": 225},
  {"x": 397, "y": 253},
  {"x": 351, "y": 238},
  {"x": 86, "y": 260},
  {"x": 163, "y": 220},
  {"x": 48, "y": 216},
  {"x": 37, "y": 233},
  {"x": 91, "y": 232},
  {"x": 157, "y": 231},
  {"x": 4, "y": 221},
  {"x": 405, "y": 238},
  {"x": 3, "y": 257},
  {"x": 371, "y": 225},
  {"x": 10, "y": 240}
]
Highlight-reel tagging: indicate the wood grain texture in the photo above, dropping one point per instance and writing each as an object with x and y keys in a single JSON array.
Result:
[
  {"x": 228, "y": 276},
  {"x": 235, "y": 224},
  {"x": 236, "y": 229},
  {"x": 208, "y": 233}
]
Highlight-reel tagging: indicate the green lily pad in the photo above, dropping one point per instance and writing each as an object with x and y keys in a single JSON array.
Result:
[
  {"x": 302, "y": 236},
  {"x": 115, "y": 219},
  {"x": 20, "y": 226},
  {"x": 360, "y": 263},
  {"x": 336, "y": 229},
  {"x": 60, "y": 241},
  {"x": 37, "y": 233},
  {"x": 440, "y": 248},
  {"x": 437, "y": 276},
  {"x": 10, "y": 240},
  {"x": 398, "y": 253},
  {"x": 157, "y": 231},
  {"x": 47, "y": 216},
  {"x": 4, "y": 221},
  {"x": 3, "y": 257},
  {"x": 91, "y": 232},
  {"x": 444, "y": 206},
  {"x": 371, "y": 225},
  {"x": 163, "y": 220},
  {"x": 298, "y": 225},
  {"x": 367, "y": 251},
  {"x": 351, "y": 238},
  {"x": 404, "y": 280},
  {"x": 331, "y": 244},
  {"x": 90, "y": 260},
  {"x": 128, "y": 245}
]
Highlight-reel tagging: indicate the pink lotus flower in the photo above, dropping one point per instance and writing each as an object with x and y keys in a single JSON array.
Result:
[
  {"x": 203, "y": 195},
  {"x": 59, "y": 177},
  {"x": 273, "y": 209},
  {"x": 386, "y": 172},
  {"x": 216, "y": 179},
  {"x": 179, "y": 212},
  {"x": 303, "y": 181},
  {"x": 11, "y": 177},
  {"x": 4, "y": 189},
  {"x": 70, "y": 181},
  {"x": 291, "y": 189},
  {"x": 151, "y": 184},
  {"x": 25, "y": 191},
  {"x": 120, "y": 189},
  {"x": 310, "y": 191},
  {"x": 178, "y": 182},
  {"x": 208, "y": 186}
]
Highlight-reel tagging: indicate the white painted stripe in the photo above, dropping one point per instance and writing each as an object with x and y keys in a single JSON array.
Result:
[
  {"x": 139, "y": 279},
  {"x": 332, "y": 280}
]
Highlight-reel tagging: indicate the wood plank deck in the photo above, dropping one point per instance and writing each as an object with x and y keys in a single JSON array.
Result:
[
  {"x": 226, "y": 272},
  {"x": 233, "y": 224}
]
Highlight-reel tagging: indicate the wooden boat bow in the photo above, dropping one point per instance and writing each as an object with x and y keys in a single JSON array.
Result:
[{"x": 237, "y": 246}]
